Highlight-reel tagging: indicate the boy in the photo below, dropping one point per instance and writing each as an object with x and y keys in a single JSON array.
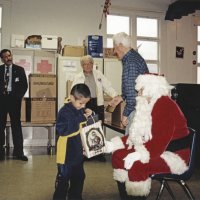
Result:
[{"x": 71, "y": 175}]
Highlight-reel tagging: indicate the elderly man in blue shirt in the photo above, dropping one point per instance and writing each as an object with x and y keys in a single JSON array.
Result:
[{"x": 133, "y": 66}]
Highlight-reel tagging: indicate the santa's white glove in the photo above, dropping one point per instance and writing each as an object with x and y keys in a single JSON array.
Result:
[
  {"x": 109, "y": 147},
  {"x": 130, "y": 159}
]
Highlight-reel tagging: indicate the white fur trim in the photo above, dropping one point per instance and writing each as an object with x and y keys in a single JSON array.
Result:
[
  {"x": 120, "y": 175},
  {"x": 145, "y": 155},
  {"x": 153, "y": 85},
  {"x": 176, "y": 164},
  {"x": 117, "y": 143},
  {"x": 140, "y": 188}
]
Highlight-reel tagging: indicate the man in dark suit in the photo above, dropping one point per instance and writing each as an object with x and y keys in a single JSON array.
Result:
[{"x": 13, "y": 86}]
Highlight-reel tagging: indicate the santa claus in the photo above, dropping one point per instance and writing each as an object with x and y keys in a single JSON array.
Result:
[{"x": 158, "y": 121}]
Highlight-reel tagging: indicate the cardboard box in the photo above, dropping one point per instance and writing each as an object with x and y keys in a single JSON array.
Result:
[
  {"x": 94, "y": 45},
  {"x": 73, "y": 51},
  {"x": 49, "y": 42},
  {"x": 23, "y": 112},
  {"x": 42, "y": 85},
  {"x": 41, "y": 110},
  {"x": 108, "y": 53},
  {"x": 117, "y": 114},
  {"x": 107, "y": 115},
  {"x": 32, "y": 46},
  {"x": 44, "y": 62},
  {"x": 17, "y": 41}
]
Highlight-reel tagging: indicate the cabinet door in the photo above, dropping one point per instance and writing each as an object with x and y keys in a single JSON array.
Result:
[
  {"x": 113, "y": 72},
  {"x": 98, "y": 64}
]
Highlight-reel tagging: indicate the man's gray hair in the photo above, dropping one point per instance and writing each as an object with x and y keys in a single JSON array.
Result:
[{"x": 122, "y": 38}]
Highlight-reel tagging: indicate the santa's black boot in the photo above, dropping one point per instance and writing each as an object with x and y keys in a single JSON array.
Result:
[{"x": 122, "y": 191}]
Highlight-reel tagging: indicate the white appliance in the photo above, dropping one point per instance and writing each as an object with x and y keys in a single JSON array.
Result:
[
  {"x": 113, "y": 72},
  {"x": 68, "y": 67}
]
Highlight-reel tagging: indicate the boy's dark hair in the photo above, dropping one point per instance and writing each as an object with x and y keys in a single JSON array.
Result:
[
  {"x": 80, "y": 91},
  {"x": 4, "y": 51}
]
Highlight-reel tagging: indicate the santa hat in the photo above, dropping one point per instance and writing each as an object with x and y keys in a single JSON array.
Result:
[{"x": 153, "y": 85}]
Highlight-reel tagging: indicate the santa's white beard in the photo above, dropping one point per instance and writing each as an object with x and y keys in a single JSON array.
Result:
[{"x": 140, "y": 128}]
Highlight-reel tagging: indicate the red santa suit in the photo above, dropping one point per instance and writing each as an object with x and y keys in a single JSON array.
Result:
[{"x": 158, "y": 121}]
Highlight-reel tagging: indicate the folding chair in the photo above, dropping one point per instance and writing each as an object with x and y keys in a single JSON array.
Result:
[{"x": 188, "y": 141}]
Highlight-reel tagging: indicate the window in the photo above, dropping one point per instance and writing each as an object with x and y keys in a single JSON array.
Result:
[
  {"x": 145, "y": 34},
  {"x": 116, "y": 24},
  {"x": 147, "y": 27},
  {"x": 148, "y": 41},
  {"x": 148, "y": 49},
  {"x": 198, "y": 52}
]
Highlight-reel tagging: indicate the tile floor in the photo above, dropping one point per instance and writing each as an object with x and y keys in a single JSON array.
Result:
[{"x": 34, "y": 180}]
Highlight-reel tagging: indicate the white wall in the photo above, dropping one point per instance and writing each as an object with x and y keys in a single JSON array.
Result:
[
  {"x": 6, "y": 23},
  {"x": 73, "y": 20},
  {"x": 181, "y": 33},
  {"x": 152, "y": 5}
]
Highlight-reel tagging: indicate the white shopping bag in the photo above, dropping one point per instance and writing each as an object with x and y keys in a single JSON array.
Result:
[{"x": 93, "y": 139}]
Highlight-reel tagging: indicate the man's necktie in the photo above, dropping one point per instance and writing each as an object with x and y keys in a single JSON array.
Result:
[{"x": 6, "y": 79}]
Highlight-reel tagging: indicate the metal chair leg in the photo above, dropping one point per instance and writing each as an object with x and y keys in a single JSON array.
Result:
[
  {"x": 186, "y": 189},
  {"x": 169, "y": 190},
  {"x": 162, "y": 183}
]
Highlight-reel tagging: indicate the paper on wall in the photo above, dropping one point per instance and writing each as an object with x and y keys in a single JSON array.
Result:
[{"x": 69, "y": 65}]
